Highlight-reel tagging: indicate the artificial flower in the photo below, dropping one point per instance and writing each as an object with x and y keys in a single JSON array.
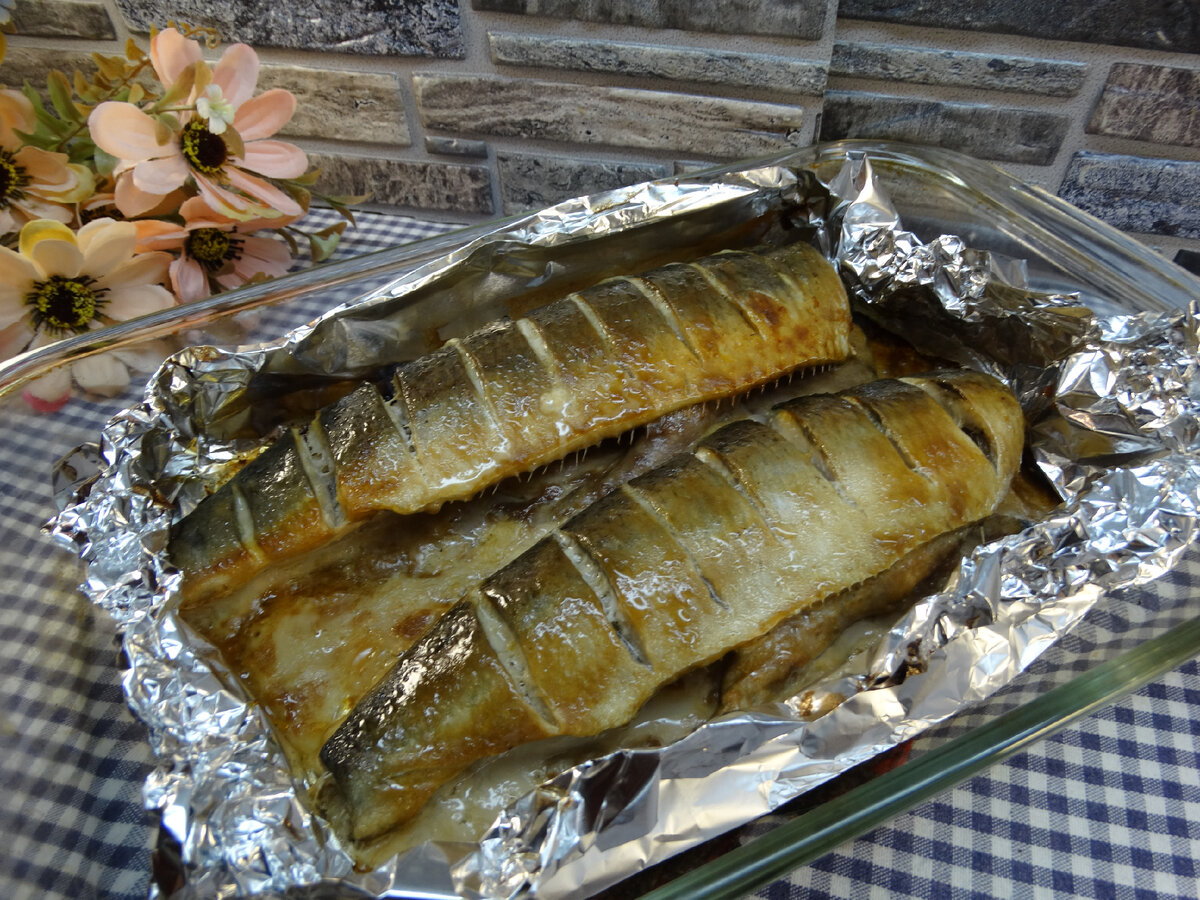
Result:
[
  {"x": 231, "y": 176},
  {"x": 34, "y": 183},
  {"x": 59, "y": 283},
  {"x": 214, "y": 250},
  {"x": 215, "y": 109}
]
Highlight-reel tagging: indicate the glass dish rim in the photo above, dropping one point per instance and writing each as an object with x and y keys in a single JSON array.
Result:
[{"x": 1073, "y": 235}]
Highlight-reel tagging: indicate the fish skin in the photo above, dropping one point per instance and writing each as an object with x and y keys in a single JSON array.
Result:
[
  {"x": 679, "y": 566},
  {"x": 512, "y": 397}
]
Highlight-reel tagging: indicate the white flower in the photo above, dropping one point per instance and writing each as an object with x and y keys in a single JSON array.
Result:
[
  {"x": 59, "y": 282},
  {"x": 213, "y": 106}
]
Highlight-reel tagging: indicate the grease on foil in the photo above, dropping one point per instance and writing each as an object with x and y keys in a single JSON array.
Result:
[{"x": 1113, "y": 403}]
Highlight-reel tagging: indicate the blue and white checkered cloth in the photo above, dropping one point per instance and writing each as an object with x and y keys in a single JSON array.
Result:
[{"x": 1109, "y": 808}]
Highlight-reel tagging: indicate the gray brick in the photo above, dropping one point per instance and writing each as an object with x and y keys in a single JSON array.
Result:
[
  {"x": 30, "y": 64},
  {"x": 456, "y": 146},
  {"x": 1149, "y": 103},
  {"x": 984, "y": 130},
  {"x": 381, "y": 28},
  {"x": 988, "y": 71},
  {"x": 756, "y": 70},
  {"x": 791, "y": 18},
  {"x": 628, "y": 118},
  {"x": 346, "y": 106},
  {"x": 63, "y": 18},
  {"x": 1134, "y": 193},
  {"x": 529, "y": 181},
  {"x": 1155, "y": 24},
  {"x": 447, "y": 187}
]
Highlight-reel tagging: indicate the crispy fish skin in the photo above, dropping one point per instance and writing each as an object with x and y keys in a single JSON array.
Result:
[
  {"x": 706, "y": 553},
  {"x": 516, "y": 395}
]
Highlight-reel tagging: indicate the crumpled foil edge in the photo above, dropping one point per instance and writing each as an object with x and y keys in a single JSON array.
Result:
[{"x": 224, "y": 793}]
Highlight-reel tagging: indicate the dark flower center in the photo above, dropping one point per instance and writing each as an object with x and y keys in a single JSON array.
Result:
[
  {"x": 204, "y": 151},
  {"x": 212, "y": 248},
  {"x": 65, "y": 305},
  {"x": 12, "y": 179}
]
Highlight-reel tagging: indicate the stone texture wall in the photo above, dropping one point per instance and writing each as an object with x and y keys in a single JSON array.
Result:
[{"x": 461, "y": 110}]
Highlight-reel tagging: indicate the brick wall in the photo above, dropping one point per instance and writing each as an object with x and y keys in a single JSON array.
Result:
[{"x": 461, "y": 110}]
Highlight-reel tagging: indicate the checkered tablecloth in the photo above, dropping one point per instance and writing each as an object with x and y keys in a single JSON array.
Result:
[{"x": 1108, "y": 808}]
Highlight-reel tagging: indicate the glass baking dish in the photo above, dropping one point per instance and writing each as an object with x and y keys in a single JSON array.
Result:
[{"x": 935, "y": 191}]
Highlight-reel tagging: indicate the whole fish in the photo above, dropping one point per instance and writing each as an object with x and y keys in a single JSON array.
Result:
[
  {"x": 517, "y": 395},
  {"x": 670, "y": 572}
]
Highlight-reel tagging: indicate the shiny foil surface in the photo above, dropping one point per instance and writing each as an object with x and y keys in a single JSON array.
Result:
[{"x": 1112, "y": 402}]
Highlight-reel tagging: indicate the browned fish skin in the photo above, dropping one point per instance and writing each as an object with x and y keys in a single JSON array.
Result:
[
  {"x": 517, "y": 395},
  {"x": 671, "y": 571}
]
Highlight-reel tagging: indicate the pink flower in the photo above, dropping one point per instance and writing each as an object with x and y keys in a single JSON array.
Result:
[
  {"x": 34, "y": 183},
  {"x": 213, "y": 249},
  {"x": 60, "y": 283},
  {"x": 232, "y": 184}
]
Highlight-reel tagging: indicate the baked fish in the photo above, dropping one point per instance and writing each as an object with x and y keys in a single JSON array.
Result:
[
  {"x": 308, "y": 637},
  {"x": 670, "y": 572},
  {"x": 516, "y": 395}
]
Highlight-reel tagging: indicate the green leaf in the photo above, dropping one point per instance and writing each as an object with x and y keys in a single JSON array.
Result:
[
  {"x": 111, "y": 67},
  {"x": 133, "y": 52},
  {"x": 233, "y": 142},
  {"x": 308, "y": 179},
  {"x": 39, "y": 138},
  {"x": 162, "y": 130},
  {"x": 289, "y": 240},
  {"x": 85, "y": 90},
  {"x": 60, "y": 92},
  {"x": 322, "y": 245},
  {"x": 105, "y": 162},
  {"x": 178, "y": 91},
  {"x": 299, "y": 194},
  {"x": 82, "y": 150},
  {"x": 341, "y": 205}
]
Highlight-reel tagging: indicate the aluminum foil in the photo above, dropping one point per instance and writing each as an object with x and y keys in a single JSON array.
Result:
[{"x": 1113, "y": 406}]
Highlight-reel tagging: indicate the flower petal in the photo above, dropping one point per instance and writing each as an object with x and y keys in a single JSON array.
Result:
[
  {"x": 143, "y": 269},
  {"x": 48, "y": 171},
  {"x": 263, "y": 192},
  {"x": 198, "y": 214},
  {"x": 17, "y": 275},
  {"x": 138, "y": 300},
  {"x": 262, "y": 116},
  {"x": 171, "y": 53},
  {"x": 275, "y": 159},
  {"x": 14, "y": 339},
  {"x": 102, "y": 374},
  {"x": 35, "y": 208},
  {"x": 51, "y": 246},
  {"x": 237, "y": 74},
  {"x": 161, "y": 176},
  {"x": 188, "y": 280},
  {"x": 146, "y": 356},
  {"x": 16, "y": 114},
  {"x": 57, "y": 258},
  {"x": 124, "y": 131},
  {"x": 155, "y": 234},
  {"x": 266, "y": 255},
  {"x": 106, "y": 245},
  {"x": 132, "y": 200},
  {"x": 43, "y": 230},
  {"x": 224, "y": 202},
  {"x": 50, "y": 392}
]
